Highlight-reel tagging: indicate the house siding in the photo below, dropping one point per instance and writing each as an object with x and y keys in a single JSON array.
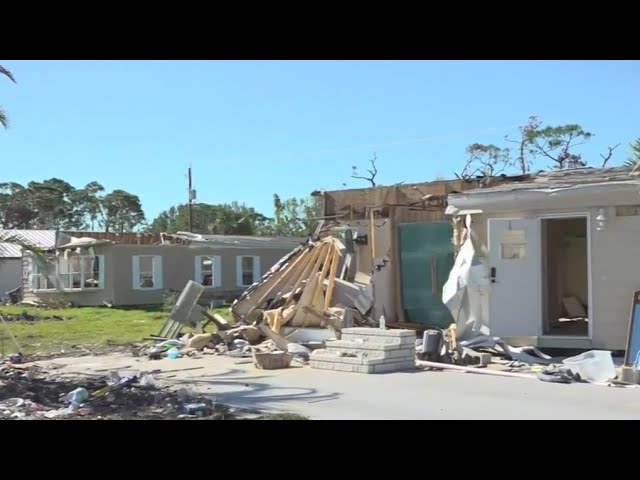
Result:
[
  {"x": 178, "y": 267},
  {"x": 10, "y": 274},
  {"x": 615, "y": 252}
]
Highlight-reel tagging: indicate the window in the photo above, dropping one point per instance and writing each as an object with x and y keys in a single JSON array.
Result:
[
  {"x": 209, "y": 271},
  {"x": 78, "y": 272},
  {"x": 247, "y": 270},
  {"x": 513, "y": 245},
  {"x": 147, "y": 272}
]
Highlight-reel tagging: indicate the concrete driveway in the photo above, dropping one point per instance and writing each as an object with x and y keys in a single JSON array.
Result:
[{"x": 329, "y": 395}]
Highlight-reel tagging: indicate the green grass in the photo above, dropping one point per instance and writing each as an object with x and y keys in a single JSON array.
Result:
[
  {"x": 281, "y": 416},
  {"x": 89, "y": 327}
]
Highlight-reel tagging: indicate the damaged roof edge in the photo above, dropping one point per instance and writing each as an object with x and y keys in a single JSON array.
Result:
[{"x": 594, "y": 194}]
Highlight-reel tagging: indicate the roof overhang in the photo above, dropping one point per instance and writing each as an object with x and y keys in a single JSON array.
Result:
[{"x": 575, "y": 196}]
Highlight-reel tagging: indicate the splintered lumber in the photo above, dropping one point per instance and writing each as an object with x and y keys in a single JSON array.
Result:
[
  {"x": 313, "y": 267},
  {"x": 332, "y": 277},
  {"x": 242, "y": 305},
  {"x": 325, "y": 268},
  {"x": 300, "y": 317},
  {"x": 446, "y": 366},
  {"x": 289, "y": 271},
  {"x": 308, "y": 268}
]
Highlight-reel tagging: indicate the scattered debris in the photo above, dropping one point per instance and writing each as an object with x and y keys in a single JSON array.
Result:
[{"x": 33, "y": 393}]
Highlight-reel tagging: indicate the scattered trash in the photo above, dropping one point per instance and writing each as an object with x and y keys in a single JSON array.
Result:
[
  {"x": 239, "y": 343},
  {"x": 173, "y": 353},
  {"x": 555, "y": 374},
  {"x": 148, "y": 381},
  {"x": 78, "y": 396},
  {"x": 272, "y": 360},
  {"x": 198, "y": 409},
  {"x": 593, "y": 366}
]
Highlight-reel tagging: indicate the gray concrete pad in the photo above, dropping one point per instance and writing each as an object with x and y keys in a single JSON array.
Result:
[{"x": 322, "y": 394}]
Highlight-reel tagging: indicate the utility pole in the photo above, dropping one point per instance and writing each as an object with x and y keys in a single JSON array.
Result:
[{"x": 190, "y": 203}]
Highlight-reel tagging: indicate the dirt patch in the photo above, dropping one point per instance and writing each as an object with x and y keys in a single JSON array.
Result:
[
  {"x": 26, "y": 317},
  {"x": 28, "y": 392}
]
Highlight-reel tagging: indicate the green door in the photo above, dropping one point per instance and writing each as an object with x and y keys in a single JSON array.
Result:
[{"x": 426, "y": 258}]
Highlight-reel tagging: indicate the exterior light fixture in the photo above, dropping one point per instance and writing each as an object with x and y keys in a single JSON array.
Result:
[{"x": 601, "y": 219}]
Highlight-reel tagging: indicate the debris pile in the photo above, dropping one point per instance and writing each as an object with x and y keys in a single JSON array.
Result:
[
  {"x": 307, "y": 291},
  {"x": 29, "y": 318},
  {"x": 29, "y": 392}
]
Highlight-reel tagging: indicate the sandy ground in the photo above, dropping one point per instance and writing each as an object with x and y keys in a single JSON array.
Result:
[{"x": 322, "y": 394}]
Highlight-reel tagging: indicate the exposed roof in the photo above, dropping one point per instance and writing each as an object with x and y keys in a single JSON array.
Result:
[
  {"x": 561, "y": 179},
  {"x": 573, "y": 188},
  {"x": 237, "y": 240},
  {"x": 45, "y": 239},
  {"x": 9, "y": 250}
]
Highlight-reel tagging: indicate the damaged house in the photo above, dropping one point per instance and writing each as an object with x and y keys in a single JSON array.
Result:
[
  {"x": 93, "y": 269},
  {"x": 559, "y": 253},
  {"x": 404, "y": 244}
]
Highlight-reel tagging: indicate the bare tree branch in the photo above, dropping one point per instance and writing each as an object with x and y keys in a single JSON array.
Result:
[
  {"x": 608, "y": 156},
  {"x": 372, "y": 173}
]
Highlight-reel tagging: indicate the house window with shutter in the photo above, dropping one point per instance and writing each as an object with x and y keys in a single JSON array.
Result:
[
  {"x": 247, "y": 270},
  {"x": 147, "y": 272},
  {"x": 209, "y": 271}
]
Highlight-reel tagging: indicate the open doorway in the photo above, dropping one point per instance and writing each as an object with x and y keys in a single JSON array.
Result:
[{"x": 565, "y": 278}]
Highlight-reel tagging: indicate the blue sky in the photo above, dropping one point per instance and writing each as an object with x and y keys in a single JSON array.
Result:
[{"x": 253, "y": 128}]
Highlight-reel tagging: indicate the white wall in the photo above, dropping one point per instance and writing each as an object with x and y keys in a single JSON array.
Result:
[
  {"x": 10, "y": 274},
  {"x": 615, "y": 269}
]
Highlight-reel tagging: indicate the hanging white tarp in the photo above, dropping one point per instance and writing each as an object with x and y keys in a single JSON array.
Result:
[{"x": 466, "y": 293}]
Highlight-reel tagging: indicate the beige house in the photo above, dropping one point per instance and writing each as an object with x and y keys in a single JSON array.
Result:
[
  {"x": 90, "y": 271},
  {"x": 563, "y": 256}
]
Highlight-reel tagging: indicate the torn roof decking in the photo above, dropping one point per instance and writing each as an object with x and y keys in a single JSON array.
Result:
[
  {"x": 356, "y": 201},
  {"x": 45, "y": 239},
  {"x": 235, "y": 241},
  {"x": 570, "y": 188}
]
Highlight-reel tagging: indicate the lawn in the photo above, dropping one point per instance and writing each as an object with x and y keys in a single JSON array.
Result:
[{"x": 88, "y": 327}]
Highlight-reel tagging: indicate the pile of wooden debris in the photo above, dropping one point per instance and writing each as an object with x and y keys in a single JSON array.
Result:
[{"x": 307, "y": 289}]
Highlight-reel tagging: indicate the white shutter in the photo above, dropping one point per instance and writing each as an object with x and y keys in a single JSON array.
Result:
[
  {"x": 135, "y": 271},
  {"x": 198, "y": 275},
  {"x": 217, "y": 271},
  {"x": 256, "y": 269},
  {"x": 100, "y": 270},
  {"x": 157, "y": 272},
  {"x": 239, "y": 271},
  {"x": 30, "y": 266}
]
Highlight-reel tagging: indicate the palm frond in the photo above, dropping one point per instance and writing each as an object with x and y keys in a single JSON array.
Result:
[
  {"x": 7, "y": 74},
  {"x": 4, "y": 121}
]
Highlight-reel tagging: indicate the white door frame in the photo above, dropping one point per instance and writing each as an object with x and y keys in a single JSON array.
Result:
[{"x": 590, "y": 318}]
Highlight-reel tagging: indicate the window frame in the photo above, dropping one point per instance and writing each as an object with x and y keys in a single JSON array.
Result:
[
  {"x": 216, "y": 270},
  {"x": 156, "y": 272},
  {"x": 55, "y": 277},
  {"x": 256, "y": 272}
]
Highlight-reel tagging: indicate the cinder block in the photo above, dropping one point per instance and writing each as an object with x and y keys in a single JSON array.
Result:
[
  {"x": 369, "y": 345},
  {"x": 374, "y": 340},
  {"x": 394, "y": 367},
  {"x": 378, "y": 332}
]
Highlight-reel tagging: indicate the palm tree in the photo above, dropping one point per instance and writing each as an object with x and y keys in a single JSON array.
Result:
[
  {"x": 3, "y": 116},
  {"x": 634, "y": 159}
]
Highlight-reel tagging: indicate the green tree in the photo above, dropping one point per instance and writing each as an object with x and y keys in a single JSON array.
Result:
[
  {"x": 4, "y": 120},
  {"x": 485, "y": 161},
  {"x": 223, "y": 219},
  {"x": 293, "y": 217},
  {"x": 121, "y": 212}
]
